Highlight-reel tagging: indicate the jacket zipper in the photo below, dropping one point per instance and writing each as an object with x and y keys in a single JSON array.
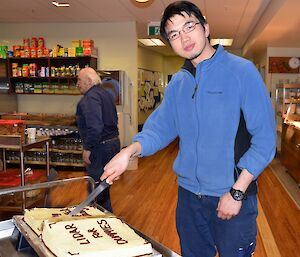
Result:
[{"x": 197, "y": 139}]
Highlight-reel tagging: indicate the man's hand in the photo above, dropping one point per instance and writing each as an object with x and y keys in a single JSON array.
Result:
[
  {"x": 228, "y": 207},
  {"x": 119, "y": 163},
  {"x": 86, "y": 157}
]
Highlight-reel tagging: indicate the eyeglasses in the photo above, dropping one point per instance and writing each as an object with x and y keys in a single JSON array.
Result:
[{"x": 187, "y": 28}]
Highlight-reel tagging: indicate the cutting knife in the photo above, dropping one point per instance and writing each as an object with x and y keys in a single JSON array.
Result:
[{"x": 100, "y": 188}]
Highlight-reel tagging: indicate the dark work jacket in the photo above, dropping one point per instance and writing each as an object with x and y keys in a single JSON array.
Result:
[{"x": 96, "y": 117}]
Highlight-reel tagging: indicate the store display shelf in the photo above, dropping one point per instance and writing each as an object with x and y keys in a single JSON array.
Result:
[
  {"x": 68, "y": 164},
  {"x": 291, "y": 100},
  {"x": 55, "y": 150},
  {"x": 47, "y": 93},
  {"x": 46, "y": 78},
  {"x": 51, "y": 163},
  {"x": 295, "y": 117}
]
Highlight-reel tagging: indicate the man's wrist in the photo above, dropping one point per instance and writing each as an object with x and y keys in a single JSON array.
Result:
[{"x": 237, "y": 195}]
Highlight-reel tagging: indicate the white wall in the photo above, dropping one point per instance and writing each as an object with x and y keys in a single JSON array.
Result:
[
  {"x": 8, "y": 103},
  {"x": 171, "y": 66},
  {"x": 117, "y": 44}
]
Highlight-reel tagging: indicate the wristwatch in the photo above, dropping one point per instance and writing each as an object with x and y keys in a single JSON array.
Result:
[{"x": 237, "y": 195}]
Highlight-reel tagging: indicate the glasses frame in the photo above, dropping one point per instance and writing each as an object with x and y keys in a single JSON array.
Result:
[{"x": 188, "y": 27}]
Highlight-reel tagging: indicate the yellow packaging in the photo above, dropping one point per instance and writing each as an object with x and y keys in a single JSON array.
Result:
[
  {"x": 71, "y": 52},
  {"x": 61, "y": 52},
  {"x": 76, "y": 43},
  {"x": 54, "y": 52}
]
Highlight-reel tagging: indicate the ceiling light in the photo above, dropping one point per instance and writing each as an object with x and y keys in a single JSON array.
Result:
[
  {"x": 57, "y": 4},
  {"x": 142, "y": 3},
  {"x": 151, "y": 42},
  {"x": 221, "y": 41}
]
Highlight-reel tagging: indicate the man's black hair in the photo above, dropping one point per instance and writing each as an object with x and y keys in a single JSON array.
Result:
[{"x": 177, "y": 8}]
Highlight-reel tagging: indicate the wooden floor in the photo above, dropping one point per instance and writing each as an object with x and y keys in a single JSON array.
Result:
[{"x": 146, "y": 199}]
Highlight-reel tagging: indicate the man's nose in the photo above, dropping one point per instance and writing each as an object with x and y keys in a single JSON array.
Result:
[{"x": 184, "y": 36}]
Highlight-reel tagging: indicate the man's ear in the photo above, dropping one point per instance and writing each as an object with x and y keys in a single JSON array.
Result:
[
  {"x": 90, "y": 82},
  {"x": 207, "y": 32}
]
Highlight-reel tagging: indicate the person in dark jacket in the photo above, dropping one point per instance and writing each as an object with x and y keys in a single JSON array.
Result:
[{"x": 97, "y": 122}]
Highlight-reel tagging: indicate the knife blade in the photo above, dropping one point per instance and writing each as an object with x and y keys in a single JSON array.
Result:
[{"x": 100, "y": 188}]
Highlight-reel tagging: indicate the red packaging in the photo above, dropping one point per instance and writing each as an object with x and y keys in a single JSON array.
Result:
[
  {"x": 33, "y": 52},
  {"x": 41, "y": 42},
  {"x": 33, "y": 42},
  {"x": 26, "y": 42},
  {"x": 27, "y": 52},
  {"x": 16, "y": 50},
  {"x": 87, "y": 43},
  {"x": 46, "y": 52},
  {"x": 40, "y": 52}
]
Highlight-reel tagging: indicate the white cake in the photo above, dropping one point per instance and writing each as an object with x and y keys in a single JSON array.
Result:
[
  {"x": 36, "y": 216},
  {"x": 93, "y": 237}
]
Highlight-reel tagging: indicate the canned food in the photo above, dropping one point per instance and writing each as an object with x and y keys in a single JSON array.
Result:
[
  {"x": 27, "y": 52},
  {"x": 26, "y": 42},
  {"x": 22, "y": 53},
  {"x": 41, "y": 42},
  {"x": 25, "y": 70},
  {"x": 46, "y": 52},
  {"x": 33, "y": 52},
  {"x": 16, "y": 50},
  {"x": 40, "y": 52},
  {"x": 33, "y": 42},
  {"x": 19, "y": 73}
]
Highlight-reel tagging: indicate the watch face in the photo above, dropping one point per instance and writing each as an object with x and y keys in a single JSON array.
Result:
[{"x": 237, "y": 194}]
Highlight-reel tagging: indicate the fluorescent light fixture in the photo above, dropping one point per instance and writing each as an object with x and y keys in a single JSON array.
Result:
[
  {"x": 57, "y": 4},
  {"x": 151, "y": 42},
  {"x": 221, "y": 41},
  {"x": 141, "y": 1},
  {"x": 158, "y": 42}
]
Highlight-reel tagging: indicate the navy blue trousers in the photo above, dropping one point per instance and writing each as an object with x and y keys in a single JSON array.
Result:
[
  {"x": 101, "y": 154},
  {"x": 202, "y": 233}
]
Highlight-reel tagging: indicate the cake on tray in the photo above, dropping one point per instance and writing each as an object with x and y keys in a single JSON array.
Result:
[
  {"x": 90, "y": 233},
  {"x": 94, "y": 237},
  {"x": 35, "y": 217}
]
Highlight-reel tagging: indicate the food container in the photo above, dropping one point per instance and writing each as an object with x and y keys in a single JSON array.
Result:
[
  {"x": 88, "y": 43},
  {"x": 13, "y": 127},
  {"x": 46, "y": 52},
  {"x": 79, "y": 51},
  {"x": 25, "y": 70},
  {"x": 33, "y": 42},
  {"x": 71, "y": 52},
  {"x": 33, "y": 52},
  {"x": 26, "y": 42},
  {"x": 14, "y": 69},
  {"x": 3, "y": 52},
  {"x": 27, "y": 52},
  {"x": 16, "y": 50},
  {"x": 41, "y": 42},
  {"x": 76, "y": 43},
  {"x": 40, "y": 51}
]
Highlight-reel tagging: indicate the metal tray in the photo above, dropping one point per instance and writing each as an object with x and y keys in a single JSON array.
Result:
[{"x": 38, "y": 248}]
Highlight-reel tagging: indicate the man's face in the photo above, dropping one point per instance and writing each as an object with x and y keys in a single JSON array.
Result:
[
  {"x": 82, "y": 83},
  {"x": 192, "y": 45}
]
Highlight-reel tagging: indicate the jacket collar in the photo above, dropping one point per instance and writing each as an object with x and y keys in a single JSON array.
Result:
[{"x": 190, "y": 67}]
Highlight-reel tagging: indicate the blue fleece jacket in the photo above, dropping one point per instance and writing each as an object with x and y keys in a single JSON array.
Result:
[{"x": 203, "y": 110}]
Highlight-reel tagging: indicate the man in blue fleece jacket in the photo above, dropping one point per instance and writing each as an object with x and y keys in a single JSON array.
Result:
[
  {"x": 218, "y": 106},
  {"x": 97, "y": 122}
]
